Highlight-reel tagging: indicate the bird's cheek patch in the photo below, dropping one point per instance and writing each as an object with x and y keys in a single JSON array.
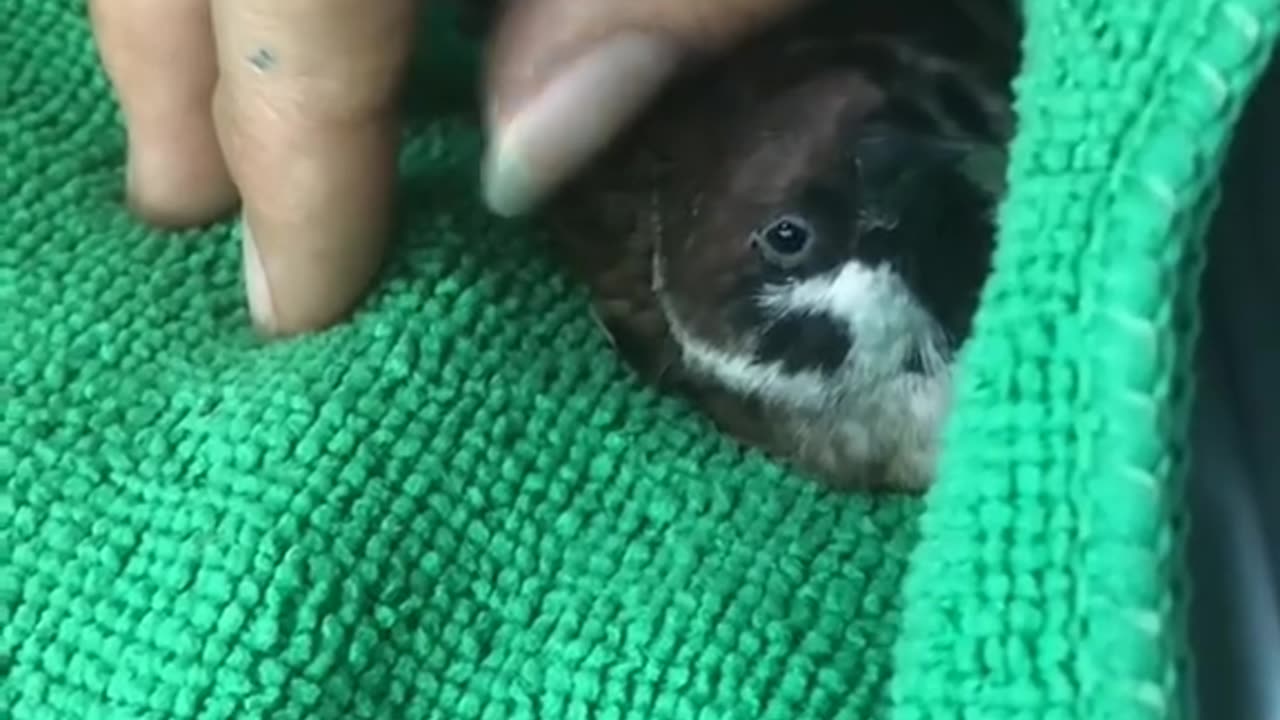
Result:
[{"x": 806, "y": 341}]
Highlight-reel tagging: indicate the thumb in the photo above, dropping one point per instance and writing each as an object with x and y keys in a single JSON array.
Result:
[{"x": 565, "y": 77}]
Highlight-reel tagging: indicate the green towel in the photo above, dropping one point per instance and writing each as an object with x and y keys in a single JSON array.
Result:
[{"x": 460, "y": 505}]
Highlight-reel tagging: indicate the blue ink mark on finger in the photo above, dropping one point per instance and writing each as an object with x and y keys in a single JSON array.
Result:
[{"x": 263, "y": 60}]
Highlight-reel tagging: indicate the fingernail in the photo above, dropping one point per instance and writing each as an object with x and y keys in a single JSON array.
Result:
[
  {"x": 257, "y": 285},
  {"x": 131, "y": 178},
  {"x": 556, "y": 133}
]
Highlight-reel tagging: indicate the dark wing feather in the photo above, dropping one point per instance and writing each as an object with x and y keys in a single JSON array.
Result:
[
  {"x": 604, "y": 234},
  {"x": 606, "y": 238}
]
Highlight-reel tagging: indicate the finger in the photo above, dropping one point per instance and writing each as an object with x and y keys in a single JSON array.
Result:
[
  {"x": 566, "y": 76},
  {"x": 158, "y": 55},
  {"x": 306, "y": 109}
]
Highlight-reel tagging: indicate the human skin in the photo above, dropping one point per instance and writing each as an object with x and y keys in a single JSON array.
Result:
[{"x": 286, "y": 111}]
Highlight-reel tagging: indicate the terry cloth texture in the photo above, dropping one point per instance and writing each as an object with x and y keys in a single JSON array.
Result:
[{"x": 459, "y": 505}]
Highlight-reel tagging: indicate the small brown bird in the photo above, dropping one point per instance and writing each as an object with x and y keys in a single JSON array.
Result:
[{"x": 796, "y": 237}]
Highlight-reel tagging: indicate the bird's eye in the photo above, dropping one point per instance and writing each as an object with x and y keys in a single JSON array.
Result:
[{"x": 784, "y": 241}]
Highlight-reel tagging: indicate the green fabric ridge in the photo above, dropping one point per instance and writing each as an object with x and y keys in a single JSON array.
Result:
[{"x": 460, "y": 505}]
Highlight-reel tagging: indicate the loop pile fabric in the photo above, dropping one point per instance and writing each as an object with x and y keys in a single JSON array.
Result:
[{"x": 460, "y": 505}]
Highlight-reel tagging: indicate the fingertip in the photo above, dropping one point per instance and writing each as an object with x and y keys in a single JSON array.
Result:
[
  {"x": 305, "y": 112},
  {"x": 302, "y": 277},
  {"x": 316, "y": 222},
  {"x": 551, "y": 135},
  {"x": 177, "y": 181},
  {"x": 175, "y": 174}
]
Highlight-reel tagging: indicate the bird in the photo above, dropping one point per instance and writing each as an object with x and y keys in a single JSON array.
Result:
[{"x": 795, "y": 237}]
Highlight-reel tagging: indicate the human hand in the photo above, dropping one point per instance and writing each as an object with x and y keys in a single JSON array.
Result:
[{"x": 289, "y": 109}]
